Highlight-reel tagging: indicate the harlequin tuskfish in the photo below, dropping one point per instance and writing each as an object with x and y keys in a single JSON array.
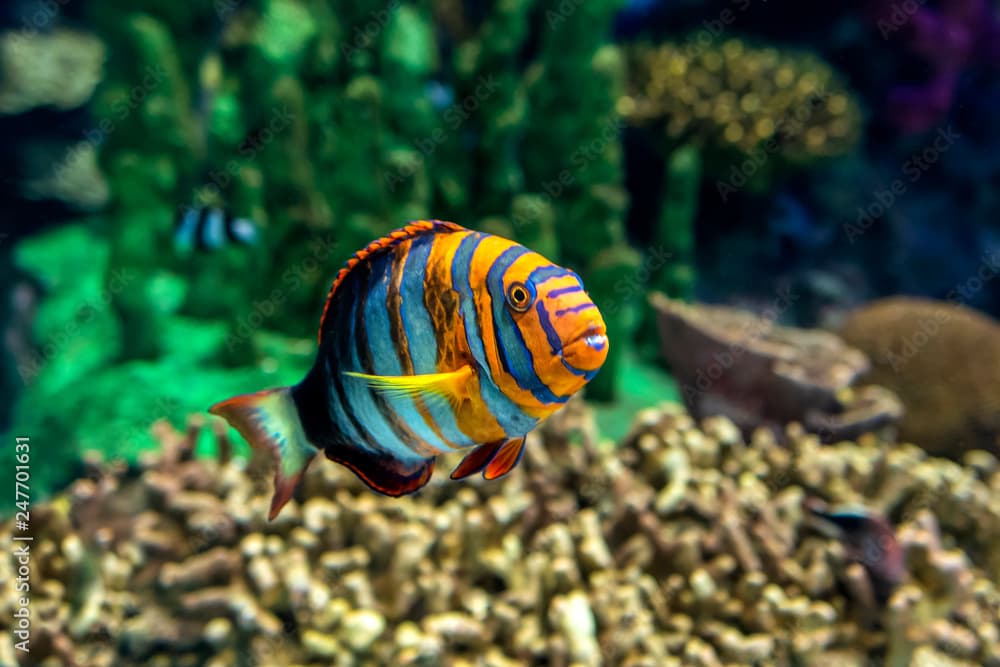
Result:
[{"x": 434, "y": 339}]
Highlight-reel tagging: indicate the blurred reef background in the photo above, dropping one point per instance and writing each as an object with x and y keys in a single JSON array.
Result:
[{"x": 787, "y": 213}]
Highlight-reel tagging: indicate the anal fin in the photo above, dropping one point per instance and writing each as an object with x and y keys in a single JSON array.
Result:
[{"x": 382, "y": 472}]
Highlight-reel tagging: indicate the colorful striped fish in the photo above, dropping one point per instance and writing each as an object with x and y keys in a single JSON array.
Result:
[{"x": 434, "y": 339}]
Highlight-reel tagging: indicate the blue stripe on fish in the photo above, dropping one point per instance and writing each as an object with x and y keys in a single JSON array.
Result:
[
  {"x": 550, "y": 333},
  {"x": 384, "y": 356},
  {"x": 576, "y": 371},
  {"x": 421, "y": 341},
  {"x": 360, "y": 397},
  {"x": 565, "y": 290},
  {"x": 549, "y": 271},
  {"x": 510, "y": 417},
  {"x": 338, "y": 408},
  {"x": 460, "y": 270},
  {"x": 574, "y": 309},
  {"x": 554, "y": 341},
  {"x": 337, "y": 347},
  {"x": 514, "y": 352}
]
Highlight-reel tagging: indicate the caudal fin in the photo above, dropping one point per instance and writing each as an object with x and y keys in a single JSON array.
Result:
[{"x": 269, "y": 420}]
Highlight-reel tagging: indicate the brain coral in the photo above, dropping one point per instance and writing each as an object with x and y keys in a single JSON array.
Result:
[
  {"x": 733, "y": 95},
  {"x": 943, "y": 361}
]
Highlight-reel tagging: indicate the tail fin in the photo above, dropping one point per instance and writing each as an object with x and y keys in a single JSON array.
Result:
[{"x": 269, "y": 420}]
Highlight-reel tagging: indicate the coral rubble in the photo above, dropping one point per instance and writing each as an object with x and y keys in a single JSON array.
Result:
[
  {"x": 942, "y": 360},
  {"x": 683, "y": 546}
]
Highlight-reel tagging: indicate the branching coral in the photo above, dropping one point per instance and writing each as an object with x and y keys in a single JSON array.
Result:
[
  {"x": 737, "y": 96},
  {"x": 684, "y": 546}
]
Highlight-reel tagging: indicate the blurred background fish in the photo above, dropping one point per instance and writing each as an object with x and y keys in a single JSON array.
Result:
[{"x": 208, "y": 228}]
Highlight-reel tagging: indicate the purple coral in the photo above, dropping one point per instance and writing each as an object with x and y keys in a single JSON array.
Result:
[{"x": 950, "y": 37}]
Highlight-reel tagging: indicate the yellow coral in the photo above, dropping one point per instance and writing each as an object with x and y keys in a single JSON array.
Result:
[{"x": 733, "y": 95}]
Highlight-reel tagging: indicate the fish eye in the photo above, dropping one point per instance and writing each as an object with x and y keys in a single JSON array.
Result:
[{"x": 518, "y": 297}]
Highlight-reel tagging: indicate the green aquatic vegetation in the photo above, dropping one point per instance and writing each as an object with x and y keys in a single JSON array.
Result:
[
  {"x": 328, "y": 124},
  {"x": 82, "y": 395},
  {"x": 324, "y": 126}
]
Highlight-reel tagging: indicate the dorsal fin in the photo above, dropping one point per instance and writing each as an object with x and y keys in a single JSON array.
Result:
[{"x": 412, "y": 230}]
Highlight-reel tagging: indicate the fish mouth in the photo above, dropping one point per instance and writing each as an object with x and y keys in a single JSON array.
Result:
[
  {"x": 593, "y": 337},
  {"x": 596, "y": 341},
  {"x": 586, "y": 352}
]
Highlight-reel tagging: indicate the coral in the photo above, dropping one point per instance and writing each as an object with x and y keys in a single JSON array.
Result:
[
  {"x": 684, "y": 545},
  {"x": 55, "y": 72},
  {"x": 70, "y": 174},
  {"x": 740, "y": 97},
  {"x": 733, "y": 363},
  {"x": 60, "y": 68},
  {"x": 941, "y": 359}
]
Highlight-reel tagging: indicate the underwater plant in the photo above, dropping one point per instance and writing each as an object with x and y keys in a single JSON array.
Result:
[{"x": 356, "y": 121}]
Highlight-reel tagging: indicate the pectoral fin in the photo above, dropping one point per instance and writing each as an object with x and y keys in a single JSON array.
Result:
[
  {"x": 506, "y": 459},
  {"x": 452, "y": 387},
  {"x": 494, "y": 459},
  {"x": 476, "y": 460}
]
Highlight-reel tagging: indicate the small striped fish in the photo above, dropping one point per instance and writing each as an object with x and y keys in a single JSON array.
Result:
[
  {"x": 434, "y": 339},
  {"x": 209, "y": 228}
]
